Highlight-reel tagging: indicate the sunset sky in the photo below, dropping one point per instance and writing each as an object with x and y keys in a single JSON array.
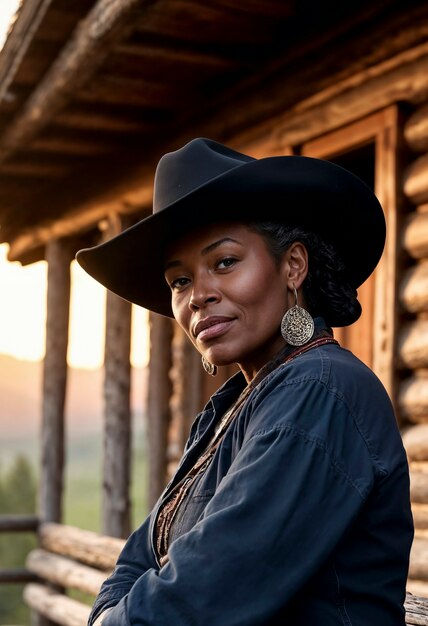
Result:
[{"x": 23, "y": 315}]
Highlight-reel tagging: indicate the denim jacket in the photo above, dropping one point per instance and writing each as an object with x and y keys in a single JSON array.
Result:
[{"x": 302, "y": 518}]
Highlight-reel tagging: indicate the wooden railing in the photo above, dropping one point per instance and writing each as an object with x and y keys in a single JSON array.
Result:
[
  {"x": 17, "y": 524},
  {"x": 71, "y": 558}
]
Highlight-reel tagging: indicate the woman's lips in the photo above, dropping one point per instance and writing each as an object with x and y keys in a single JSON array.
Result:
[{"x": 212, "y": 327}]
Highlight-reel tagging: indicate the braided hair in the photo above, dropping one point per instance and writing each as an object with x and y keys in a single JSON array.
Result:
[{"x": 326, "y": 288}]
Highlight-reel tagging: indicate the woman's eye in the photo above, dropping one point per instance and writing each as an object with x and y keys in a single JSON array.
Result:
[
  {"x": 226, "y": 262},
  {"x": 179, "y": 283}
]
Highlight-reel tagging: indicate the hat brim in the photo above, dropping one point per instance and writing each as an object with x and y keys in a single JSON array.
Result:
[{"x": 317, "y": 195}]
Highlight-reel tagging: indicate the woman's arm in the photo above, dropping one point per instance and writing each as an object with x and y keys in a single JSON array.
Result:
[{"x": 286, "y": 496}]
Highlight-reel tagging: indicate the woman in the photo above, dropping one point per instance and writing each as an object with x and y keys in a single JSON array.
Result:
[{"x": 291, "y": 503}]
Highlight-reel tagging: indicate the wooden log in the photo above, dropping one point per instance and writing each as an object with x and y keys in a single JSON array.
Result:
[
  {"x": 55, "y": 606},
  {"x": 418, "y": 485},
  {"x": 415, "y": 439},
  {"x": 186, "y": 376},
  {"x": 158, "y": 402},
  {"x": 83, "y": 545},
  {"x": 420, "y": 516},
  {"x": 418, "y": 568},
  {"x": 413, "y": 398},
  {"x": 413, "y": 292},
  {"x": 416, "y": 605},
  {"x": 416, "y": 130},
  {"x": 415, "y": 234},
  {"x": 81, "y": 56},
  {"x": 30, "y": 15},
  {"x": 415, "y": 180},
  {"x": 17, "y": 576},
  {"x": 116, "y": 518},
  {"x": 59, "y": 255},
  {"x": 65, "y": 572},
  {"x": 18, "y": 523},
  {"x": 412, "y": 345}
]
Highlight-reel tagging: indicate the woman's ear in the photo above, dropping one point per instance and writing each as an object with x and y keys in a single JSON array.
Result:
[{"x": 295, "y": 265}]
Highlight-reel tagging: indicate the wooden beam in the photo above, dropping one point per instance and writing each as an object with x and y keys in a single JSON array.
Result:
[
  {"x": 56, "y": 607},
  {"x": 17, "y": 576},
  {"x": 30, "y": 15},
  {"x": 415, "y": 440},
  {"x": 64, "y": 572},
  {"x": 413, "y": 397},
  {"x": 59, "y": 256},
  {"x": 116, "y": 520},
  {"x": 412, "y": 348},
  {"x": 415, "y": 233},
  {"x": 158, "y": 402},
  {"x": 416, "y": 130},
  {"x": 85, "y": 546},
  {"x": 415, "y": 183},
  {"x": 18, "y": 523},
  {"x": 414, "y": 288},
  {"x": 79, "y": 59},
  {"x": 186, "y": 400}
]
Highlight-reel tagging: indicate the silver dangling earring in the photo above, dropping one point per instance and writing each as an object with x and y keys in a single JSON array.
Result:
[
  {"x": 297, "y": 325},
  {"x": 210, "y": 368}
]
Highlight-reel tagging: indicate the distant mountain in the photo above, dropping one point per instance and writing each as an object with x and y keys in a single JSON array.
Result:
[{"x": 21, "y": 397}]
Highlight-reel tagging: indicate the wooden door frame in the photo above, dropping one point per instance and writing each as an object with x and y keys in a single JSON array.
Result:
[{"x": 383, "y": 130}]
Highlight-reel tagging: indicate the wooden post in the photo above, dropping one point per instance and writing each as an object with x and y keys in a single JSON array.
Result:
[
  {"x": 117, "y": 410},
  {"x": 58, "y": 255},
  {"x": 186, "y": 374},
  {"x": 158, "y": 402}
]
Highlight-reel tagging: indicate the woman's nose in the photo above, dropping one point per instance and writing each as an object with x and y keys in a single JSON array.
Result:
[{"x": 203, "y": 293}]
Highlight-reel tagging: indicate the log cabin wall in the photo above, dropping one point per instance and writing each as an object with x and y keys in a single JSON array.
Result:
[{"x": 412, "y": 345}]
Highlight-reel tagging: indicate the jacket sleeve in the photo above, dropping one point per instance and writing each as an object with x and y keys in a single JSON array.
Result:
[
  {"x": 287, "y": 494},
  {"x": 135, "y": 559}
]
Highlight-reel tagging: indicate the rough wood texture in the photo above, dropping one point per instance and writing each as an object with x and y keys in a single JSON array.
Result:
[
  {"x": 413, "y": 344},
  {"x": 65, "y": 572},
  {"x": 186, "y": 376},
  {"x": 420, "y": 517},
  {"x": 415, "y": 180},
  {"x": 416, "y": 606},
  {"x": 415, "y": 234},
  {"x": 59, "y": 256},
  {"x": 404, "y": 78},
  {"x": 83, "y": 545},
  {"x": 414, "y": 288},
  {"x": 158, "y": 402},
  {"x": 17, "y": 576},
  {"x": 117, "y": 412},
  {"x": 418, "y": 569},
  {"x": 18, "y": 523},
  {"x": 16, "y": 45},
  {"x": 80, "y": 57},
  {"x": 419, "y": 486},
  {"x": 413, "y": 398},
  {"x": 56, "y": 607},
  {"x": 415, "y": 439},
  {"x": 416, "y": 130}
]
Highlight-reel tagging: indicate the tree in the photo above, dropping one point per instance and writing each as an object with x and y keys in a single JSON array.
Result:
[{"x": 17, "y": 495}]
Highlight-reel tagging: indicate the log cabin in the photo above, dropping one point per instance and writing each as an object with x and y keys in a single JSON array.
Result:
[{"x": 93, "y": 92}]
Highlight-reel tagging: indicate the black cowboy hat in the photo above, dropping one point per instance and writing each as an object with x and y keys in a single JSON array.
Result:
[{"x": 205, "y": 182}]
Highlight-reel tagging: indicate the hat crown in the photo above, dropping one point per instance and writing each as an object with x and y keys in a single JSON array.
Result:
[{"x": 181, "y": 172}]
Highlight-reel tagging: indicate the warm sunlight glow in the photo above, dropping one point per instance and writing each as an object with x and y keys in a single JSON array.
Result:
[
  {"x": 87, "y": 320},
  {"x": 23, "y": 316},
  {"x": 8, "y": 9},
  {"x": 22, "y": 308}
]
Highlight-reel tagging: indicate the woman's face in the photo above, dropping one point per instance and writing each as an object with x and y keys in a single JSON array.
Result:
[{"x": 229, "y": 294}]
